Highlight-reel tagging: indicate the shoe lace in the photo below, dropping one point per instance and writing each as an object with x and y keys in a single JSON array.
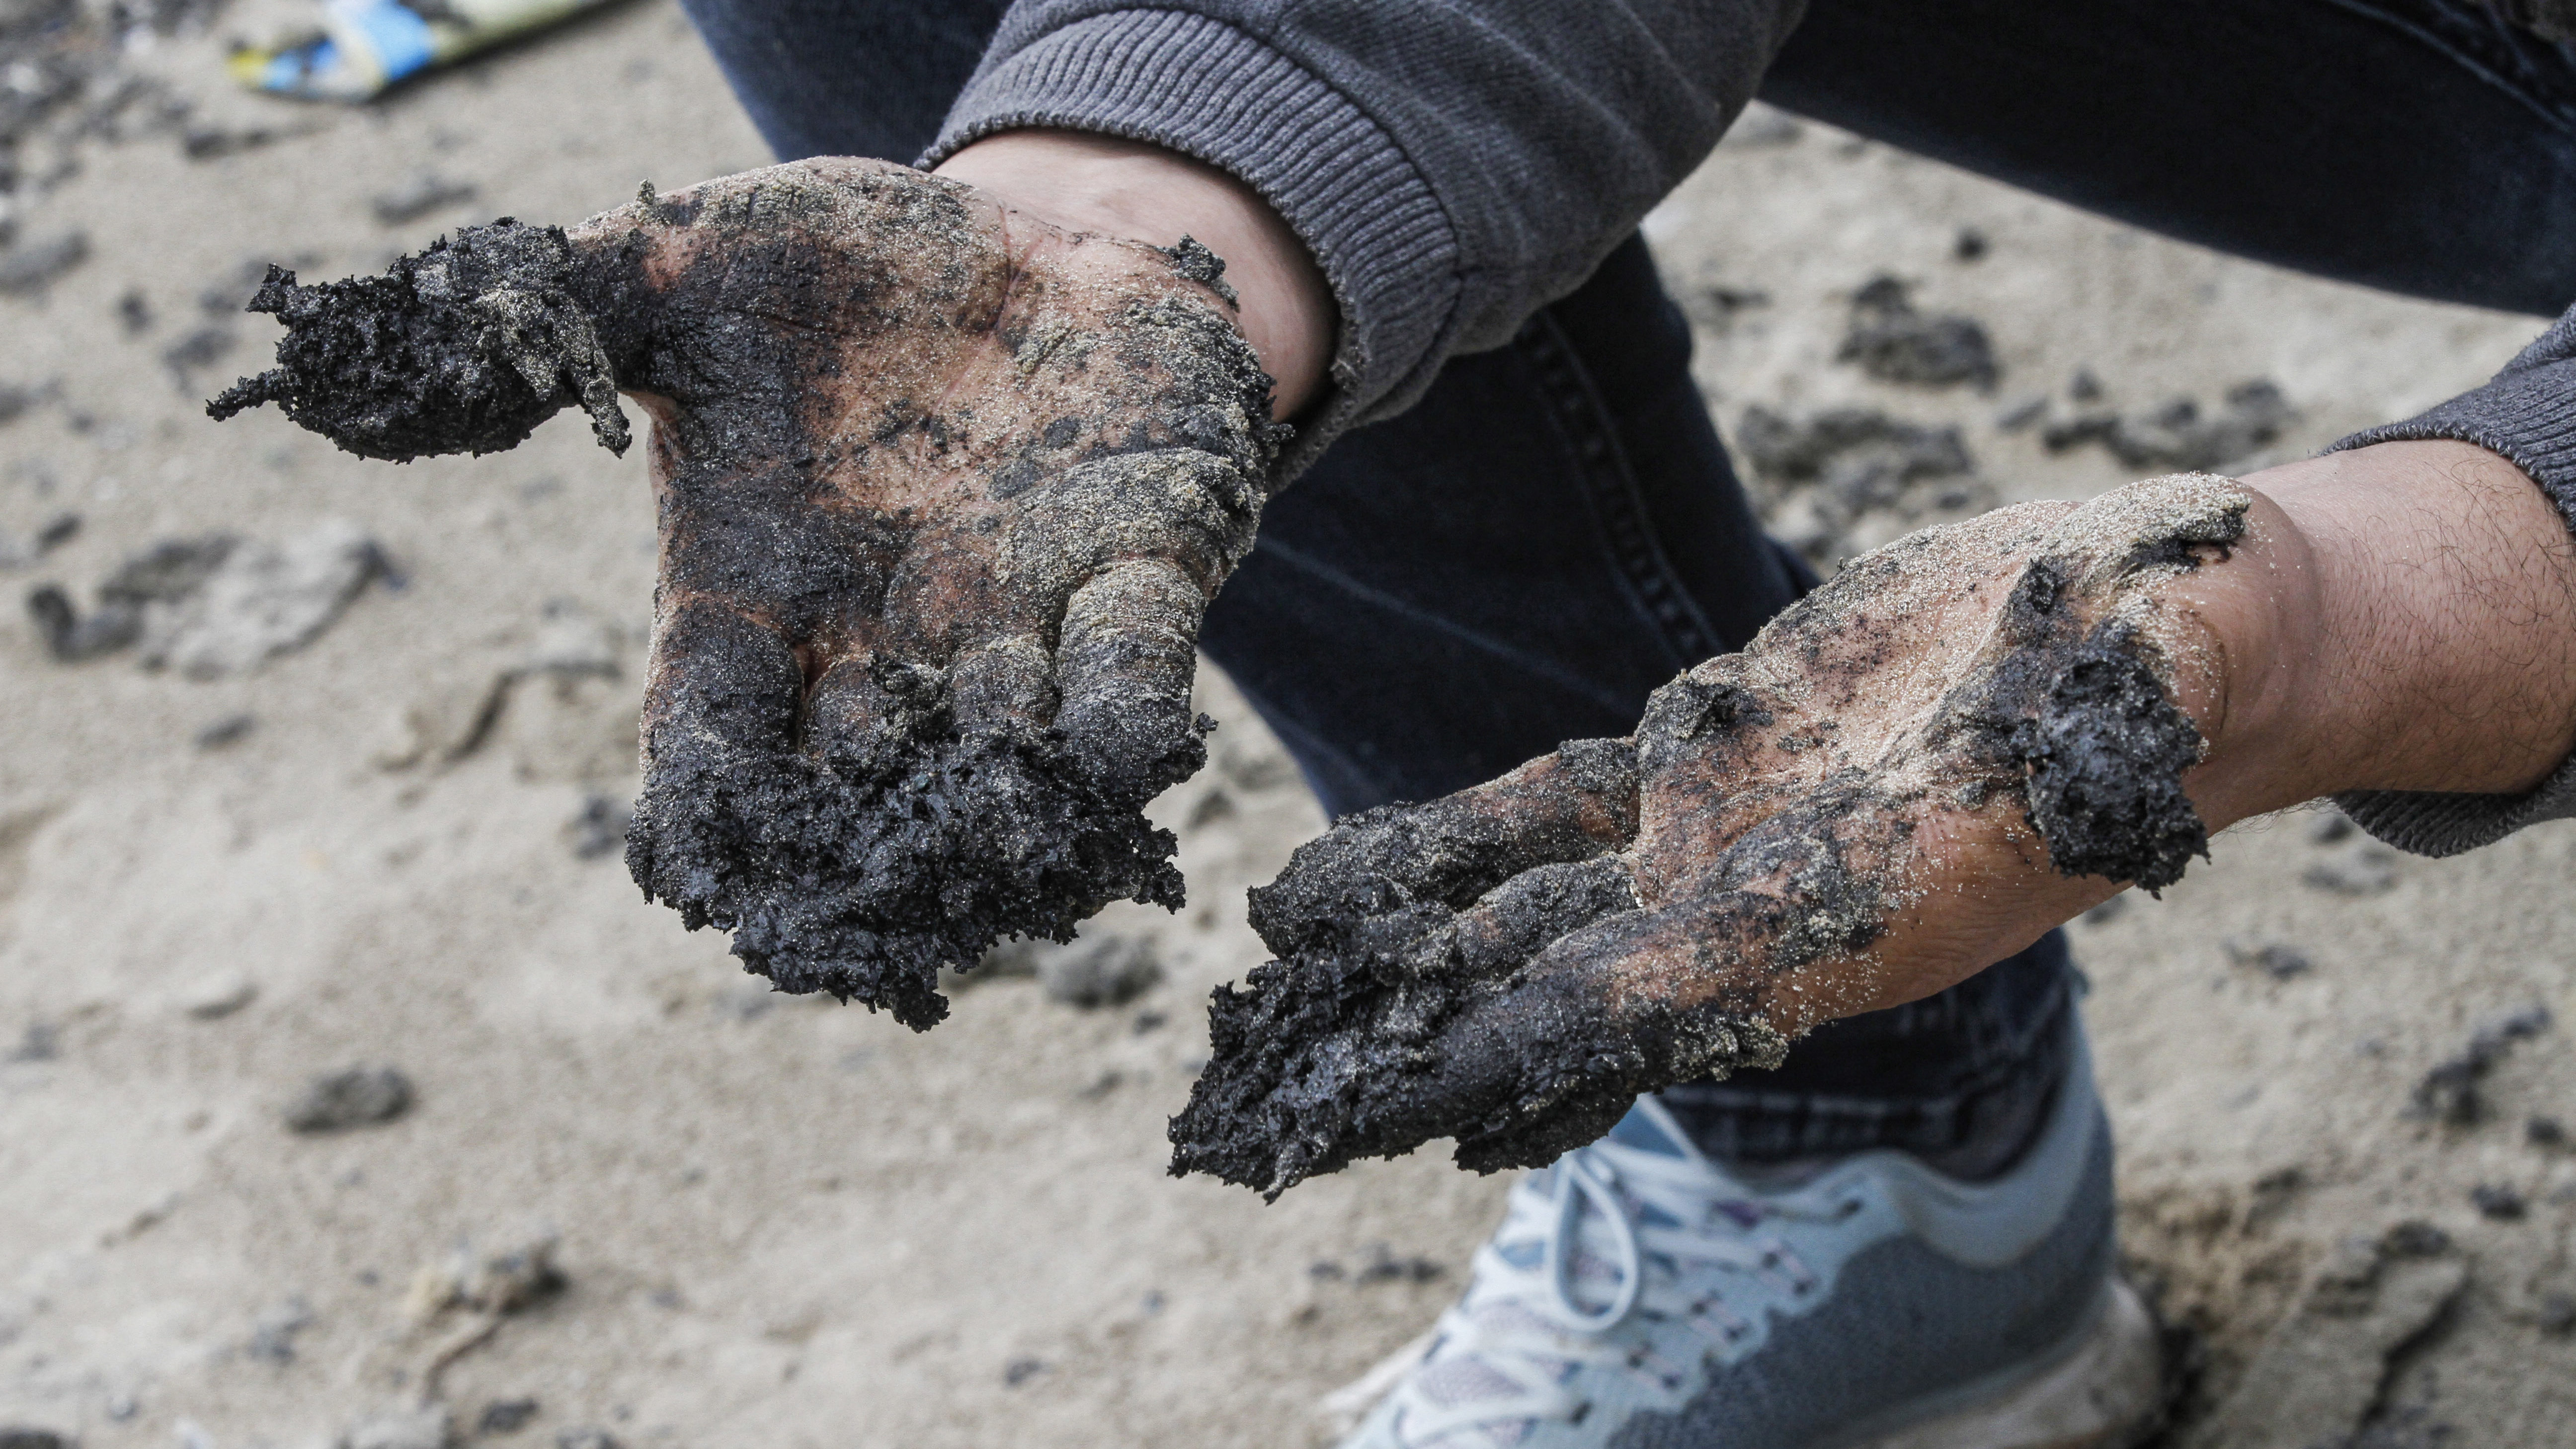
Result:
[{"x": 1508, "y": 1350}]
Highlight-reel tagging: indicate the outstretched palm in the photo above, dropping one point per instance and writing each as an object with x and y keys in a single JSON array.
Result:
[
  {"x": 1961, "y": 740},
  {"x": 943, "y": 492}
]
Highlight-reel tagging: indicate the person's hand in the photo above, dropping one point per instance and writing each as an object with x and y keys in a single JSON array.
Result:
[
  {"x": 1962, "y": 740},
  {"x": 945, "y": 483},
  {"x": 944, "y": 490}
]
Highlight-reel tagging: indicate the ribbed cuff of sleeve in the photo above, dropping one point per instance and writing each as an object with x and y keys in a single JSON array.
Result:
[
  {"x": 1212, "y": 91},
  {"x": 2528, "y": 414}
]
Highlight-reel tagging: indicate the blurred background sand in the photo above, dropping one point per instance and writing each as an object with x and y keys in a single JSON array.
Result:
[{"x": 781, "y": 1222}]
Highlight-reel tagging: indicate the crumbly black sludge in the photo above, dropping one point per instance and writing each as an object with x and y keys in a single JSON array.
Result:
[
  {"x": 885, "y": 729},
  {"x": 464, "y": 348},
  {"x": 2080, "y": 711}
]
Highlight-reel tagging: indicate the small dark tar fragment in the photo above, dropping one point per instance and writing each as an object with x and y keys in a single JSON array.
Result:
[
  {"x": 356, "y": 1097},
  {"x": 34, "y": 266},
  {"x": 2452, "y": 1091},
  {"x": 1192, "y": 260},
  {"x": 1895, "y": 343},
  {"x": 38, "y": 1043},
  {"x": 1842, "y": 442},
  {"x": 2500, "y": 1201},
  {"x": 2021, "y": 414},
  {"x": 1110, "y": 972},
  {"x": 165, "y": 573},
  {"x": 2416, "y": 1238},
  {"x": 2363, "y": 868},
  {"x": 2273, "y": 959},
  {"x": 2557, "y": 1312},
  {"x": 231, "y": 729},
  {"x": 272, "y": 1338},
  {"x": 600, "y": 829},
  {"x": 2178, "y": 433},
  {"x": 213, "y": 143},
  {"x": 202, "y": 348},
  {"x": 1384, "y": 1266},
  {"x": 418, "y": 197}
]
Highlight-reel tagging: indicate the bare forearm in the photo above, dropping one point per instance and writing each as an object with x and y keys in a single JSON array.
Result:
[{"x": 2418, "y": 630}]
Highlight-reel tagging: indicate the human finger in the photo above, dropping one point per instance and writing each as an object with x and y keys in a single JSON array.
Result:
[
  {"x": 720, "y": 697},
  {"x": 1184, "y": 505},
  {"x": 1124, "y": 661},
  {"x": 1575, "y": 804},
  {"x": 1316, "y": 1064},
  {"x": 1003, "y": 688}
]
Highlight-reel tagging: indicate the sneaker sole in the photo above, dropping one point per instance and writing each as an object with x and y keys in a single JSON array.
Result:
[{"x": 2104, "y": 1394}]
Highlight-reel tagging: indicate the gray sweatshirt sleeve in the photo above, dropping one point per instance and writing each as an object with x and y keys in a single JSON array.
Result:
[
  {"x": 2528, "y": 414},
  {"x": 1454, "y": 164}
]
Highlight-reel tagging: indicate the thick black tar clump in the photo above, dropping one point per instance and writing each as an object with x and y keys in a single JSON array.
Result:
[
  {"x": 464, "y": 348},
  {"x": 1377, "y": 1045},
  {"x": 2106, "y": 755},
  {"x": 859, "y": 823},
  {"x": 2083, "y": 716},
  {"x": 862, "y": 875}
]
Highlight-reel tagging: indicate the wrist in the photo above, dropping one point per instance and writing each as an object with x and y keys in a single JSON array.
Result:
[
  {"x": 2408, "y": 613},
  {"x": 1129, "y": 189},
  {"x": 2242, "y": 634}
]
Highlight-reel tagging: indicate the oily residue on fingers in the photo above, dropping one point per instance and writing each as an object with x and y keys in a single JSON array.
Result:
[{"x": 1396, "y": 933}]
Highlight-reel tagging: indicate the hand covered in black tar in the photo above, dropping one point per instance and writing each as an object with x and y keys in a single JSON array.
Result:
[
  {"x": 1961, "y": 740},
  {"x": 943, "y": 494}
]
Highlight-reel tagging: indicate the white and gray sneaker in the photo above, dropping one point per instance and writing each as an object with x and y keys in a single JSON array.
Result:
[{"x": 1639, "y": 1297}]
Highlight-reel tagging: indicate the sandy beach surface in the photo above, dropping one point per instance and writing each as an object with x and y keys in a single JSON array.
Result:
[{"x": 625, "y": 1191}]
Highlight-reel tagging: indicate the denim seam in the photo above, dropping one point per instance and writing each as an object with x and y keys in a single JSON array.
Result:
[{"x": 1610, "y": 488}]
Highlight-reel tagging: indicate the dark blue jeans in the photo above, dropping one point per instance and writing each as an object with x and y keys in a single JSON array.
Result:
[{"x": 1555, "y": 529}]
